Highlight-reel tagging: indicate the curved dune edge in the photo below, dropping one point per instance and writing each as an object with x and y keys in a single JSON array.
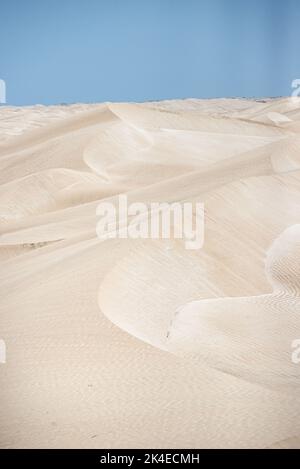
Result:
[
  {"x": 223, "y": 333},
  {"x": 226, "y": 332},
  {"x": 108, "y": 371}
]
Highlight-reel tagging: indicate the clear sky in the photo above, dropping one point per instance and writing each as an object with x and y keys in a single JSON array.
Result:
[{"x": 54, "y": 51}]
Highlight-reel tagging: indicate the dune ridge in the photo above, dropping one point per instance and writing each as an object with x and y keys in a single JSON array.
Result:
[{"x": 140, "y": 343}]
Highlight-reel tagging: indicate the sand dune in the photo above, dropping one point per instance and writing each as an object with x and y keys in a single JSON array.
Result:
[
  {"x": 142, "y": 343},
  {"x": 226, "y": 332}
]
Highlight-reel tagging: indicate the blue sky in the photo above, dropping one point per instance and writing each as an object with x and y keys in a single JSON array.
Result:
[{"x": 54, "y": 51}]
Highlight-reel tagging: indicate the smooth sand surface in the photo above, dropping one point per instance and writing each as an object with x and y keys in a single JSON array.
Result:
[{"x": 129, "y": 343}]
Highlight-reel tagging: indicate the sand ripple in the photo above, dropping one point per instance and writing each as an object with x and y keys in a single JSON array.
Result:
[{"x": 140, "y": 343}]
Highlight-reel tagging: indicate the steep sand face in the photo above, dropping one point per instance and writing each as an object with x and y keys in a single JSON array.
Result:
[
  {"x": 142, "y": 343},
  {"x": 226, "y": 332}
]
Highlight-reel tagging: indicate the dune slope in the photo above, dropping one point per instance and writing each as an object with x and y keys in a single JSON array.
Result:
[{"x": 125, "y": 343}]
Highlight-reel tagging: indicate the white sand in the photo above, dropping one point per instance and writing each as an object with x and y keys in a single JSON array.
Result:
[{"x": 141, "y": 343}]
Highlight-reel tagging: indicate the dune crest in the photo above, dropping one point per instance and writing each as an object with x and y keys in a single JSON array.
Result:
[
  {"x": 92, "y": 361},
  {"x": 228, "y": 333}
]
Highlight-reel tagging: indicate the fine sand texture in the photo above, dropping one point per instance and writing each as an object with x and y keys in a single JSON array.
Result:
[{"x": 141, "y": 343}]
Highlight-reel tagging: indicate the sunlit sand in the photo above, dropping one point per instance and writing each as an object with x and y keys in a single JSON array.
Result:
[{"x": 130, "y": 343}]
